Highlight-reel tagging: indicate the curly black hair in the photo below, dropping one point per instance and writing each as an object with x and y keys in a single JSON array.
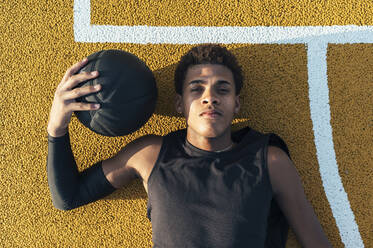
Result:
[{"x": 208, "y": 54}]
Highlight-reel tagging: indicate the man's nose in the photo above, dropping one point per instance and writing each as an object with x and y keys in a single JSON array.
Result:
[{"x": 209, "y": 96}]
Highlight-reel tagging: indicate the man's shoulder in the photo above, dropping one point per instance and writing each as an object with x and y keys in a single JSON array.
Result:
[
  {"x": 149, "y": 141},
  {"x": 155, "y": 141},
  {"x": 141, "y": 150},
  {"x": 142, "y": 153}
]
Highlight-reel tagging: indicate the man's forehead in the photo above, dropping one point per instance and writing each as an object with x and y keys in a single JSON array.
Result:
[{"x": 209, "y": 70}]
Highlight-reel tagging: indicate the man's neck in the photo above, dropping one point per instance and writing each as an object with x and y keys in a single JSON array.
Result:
[{"x": 215, "y": 144}]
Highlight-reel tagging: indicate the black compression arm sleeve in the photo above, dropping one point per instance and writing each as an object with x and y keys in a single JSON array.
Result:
[{"x": 70, "y": 189}]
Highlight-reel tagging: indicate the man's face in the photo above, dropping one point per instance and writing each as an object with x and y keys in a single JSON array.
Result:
[{"x": 206, "y": 88}]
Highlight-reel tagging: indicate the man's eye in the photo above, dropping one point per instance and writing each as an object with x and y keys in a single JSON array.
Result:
[
  {"x": 224, "y": 91},
  {"x": 197, "y": 89}
]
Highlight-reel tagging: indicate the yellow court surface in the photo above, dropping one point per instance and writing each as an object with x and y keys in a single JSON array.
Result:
[{"x": 308, "y": 77}]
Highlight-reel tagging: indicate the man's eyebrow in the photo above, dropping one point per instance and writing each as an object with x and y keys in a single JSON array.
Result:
[{"x": 201, "y": 81}]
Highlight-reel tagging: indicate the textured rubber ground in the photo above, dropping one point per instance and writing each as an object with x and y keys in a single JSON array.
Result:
[{"x": 37, "y": 46}]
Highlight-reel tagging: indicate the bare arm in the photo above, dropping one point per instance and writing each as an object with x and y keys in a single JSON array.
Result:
[{"x": 289, "y": 193}]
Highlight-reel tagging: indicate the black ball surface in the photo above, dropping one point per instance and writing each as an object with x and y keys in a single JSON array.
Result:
[{"x": 127, "y": 96}]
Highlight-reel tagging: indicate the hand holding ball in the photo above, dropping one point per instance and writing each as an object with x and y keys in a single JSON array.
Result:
[{"x": 127, "y": 97}]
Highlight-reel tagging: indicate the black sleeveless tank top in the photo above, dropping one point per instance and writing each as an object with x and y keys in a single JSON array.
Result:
[{"x": 200, "y": 198}]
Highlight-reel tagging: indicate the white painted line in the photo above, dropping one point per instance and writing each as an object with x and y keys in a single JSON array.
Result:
[
  {"x": 323, "y": 134},
  {"x": 315, "y": 37},
  {"x": 223, "y": 35},
  {"x": 142, "y": 34}
]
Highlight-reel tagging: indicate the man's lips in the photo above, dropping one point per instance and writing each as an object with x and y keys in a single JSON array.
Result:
[{"x": 211, "y": 113}]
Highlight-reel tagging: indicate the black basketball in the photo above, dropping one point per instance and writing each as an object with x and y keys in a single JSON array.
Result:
[{"x": 127, "y": 97}]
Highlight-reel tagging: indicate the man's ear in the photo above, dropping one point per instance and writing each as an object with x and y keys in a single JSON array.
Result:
[
  {"x": 178, "y": 103},
  {"x": 238, "y": 105}
]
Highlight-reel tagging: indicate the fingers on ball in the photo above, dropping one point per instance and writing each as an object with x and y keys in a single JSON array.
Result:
[
  {"x": 77, "y": 78},
  {"x": 79, "y": 106},
  {"x": 75, "y": 67}
]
